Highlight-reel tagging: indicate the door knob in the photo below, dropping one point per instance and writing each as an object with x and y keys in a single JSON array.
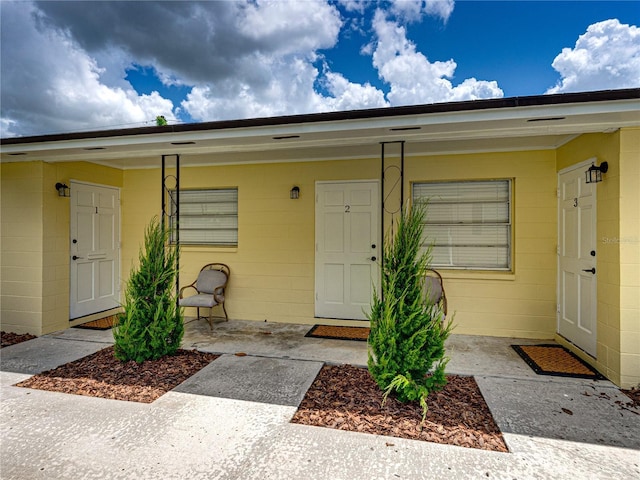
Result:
[
  {"x": 373, "y": 259},
  {"x": 592, "y": 270},
  {"x": 75, "y": 257}
]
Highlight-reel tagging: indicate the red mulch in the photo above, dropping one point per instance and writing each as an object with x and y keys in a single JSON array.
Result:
[
  {"x": 347, "y": 398},
  {"x": 341, "y": 397},
  {"x": 10, "y": 338},
  {"x": 634, "y": 395},
  {"x": 102, "y": 375}
]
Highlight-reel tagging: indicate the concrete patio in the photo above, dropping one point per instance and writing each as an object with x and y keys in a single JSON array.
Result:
[{"x": 213, "y": 426}]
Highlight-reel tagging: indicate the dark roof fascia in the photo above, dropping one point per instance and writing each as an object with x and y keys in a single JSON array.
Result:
[{"x": 448, "y": 107}]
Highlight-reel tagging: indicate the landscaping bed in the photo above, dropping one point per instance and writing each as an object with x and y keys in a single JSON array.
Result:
[
  {"x": 345, "y": 397},
  {"x": 9, "y": 338},
  {"x": 102, "y": 375},
  {"x": 342, "y": 397}
]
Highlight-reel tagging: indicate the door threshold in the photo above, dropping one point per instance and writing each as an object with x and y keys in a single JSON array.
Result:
[{"x": 342, "y": 322}]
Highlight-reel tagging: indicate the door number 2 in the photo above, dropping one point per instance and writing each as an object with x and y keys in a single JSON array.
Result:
[{"x": 347, "y": 208}]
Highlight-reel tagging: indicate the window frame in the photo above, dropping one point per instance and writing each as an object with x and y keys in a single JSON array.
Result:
[
  {"x": 177, "y": 236},
  {"x": 509, "y": 224}
]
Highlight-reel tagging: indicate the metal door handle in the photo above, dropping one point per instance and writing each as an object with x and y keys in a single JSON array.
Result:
[
  {"x": 592, "y": 270},
  {"x": 75, "y": 257},
  {"x": 373, "y": 259}
]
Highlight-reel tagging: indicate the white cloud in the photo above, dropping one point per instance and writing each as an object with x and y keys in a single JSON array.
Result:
[
  {"x": 198, "y": 42},
  {"x": 286, "y": 87},
  {"x": 606, "y": 57},
  {"x": 242, "y": 59},
  {"x": 291, "y": 27},
  {"x": 354, "y": 5},
  {"x": 7, "y": 127},
  {"x": 412, "y": 10},
  {"x": 64, "y": 65},
  {"x": 290, "y": 90},
  {"x": 412, "y": 77},
  {"x": 280, "y": 78},
  {"x": 439, "y": 8},
  {"x": 350, "y": 96},
  {"x": 51, "y": 85}
]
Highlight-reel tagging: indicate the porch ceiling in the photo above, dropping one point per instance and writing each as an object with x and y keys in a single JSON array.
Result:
[{"x": 475, "y": 126}]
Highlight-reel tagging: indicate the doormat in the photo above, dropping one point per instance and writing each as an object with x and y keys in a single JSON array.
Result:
[
  {"x": 555, "y": 360},
  {"x": 100, "y": 324},
  {"x": 339, "y": 333}
]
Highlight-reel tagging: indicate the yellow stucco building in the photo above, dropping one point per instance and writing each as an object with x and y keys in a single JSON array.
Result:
[{"x": 526, "y": 247}]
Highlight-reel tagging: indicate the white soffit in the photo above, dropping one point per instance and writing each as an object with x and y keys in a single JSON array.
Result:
[{"x": 516, "y": 128}]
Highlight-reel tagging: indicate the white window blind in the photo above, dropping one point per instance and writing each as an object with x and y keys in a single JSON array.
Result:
[
  {"x": 207, "y": 217},
  {"x": 468, "y": 223}
]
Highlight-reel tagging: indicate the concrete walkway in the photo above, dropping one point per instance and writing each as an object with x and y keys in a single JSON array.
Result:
[{"x": 231, "y": 420}]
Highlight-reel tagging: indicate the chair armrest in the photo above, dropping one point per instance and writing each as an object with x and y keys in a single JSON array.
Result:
[
  {"x": 184, "y": 288},
  {"x": 218, "y": 294}
]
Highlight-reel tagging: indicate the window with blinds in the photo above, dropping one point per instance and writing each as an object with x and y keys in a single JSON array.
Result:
[
  {"x": 468, "y": 223},
  {"x": 207, "y": 217}
]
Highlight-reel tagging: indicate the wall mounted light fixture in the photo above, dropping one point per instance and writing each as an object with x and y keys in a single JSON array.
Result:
[
  {"x": 294, "y": 194},
  {"x": 594, "y": 174},
  {"x": 63, "y": 190}
]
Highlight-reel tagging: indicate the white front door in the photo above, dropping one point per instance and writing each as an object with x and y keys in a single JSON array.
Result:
[
  {"x": 94, "y": 249},
  {"x": 347, "y": 248},
  {"x": 577, "y": 302}
]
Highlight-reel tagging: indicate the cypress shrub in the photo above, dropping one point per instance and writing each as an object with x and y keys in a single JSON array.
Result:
[
  {"x": 151, "y": 325},
  {"x": 406, "y": 341}
]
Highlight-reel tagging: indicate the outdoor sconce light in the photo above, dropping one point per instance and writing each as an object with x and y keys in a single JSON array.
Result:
[
  {"x": 63, "y": 190},
  {"x": 594, "y": 174},
  {"x": 294, "y": 194}
]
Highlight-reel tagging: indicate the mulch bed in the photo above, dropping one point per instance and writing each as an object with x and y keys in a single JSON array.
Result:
[
  {"x": 345, "y": 397},
  {"x": 634, "y": 395},
  {"x": 10, "y": 338},
  {"x": 102, "y": 375},
  {"x": 341, "y": 397}
]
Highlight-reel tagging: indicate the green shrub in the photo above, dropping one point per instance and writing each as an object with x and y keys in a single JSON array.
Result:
[
  {"x": 151, "y": 325},
  {"x": 406, "y": 342}
]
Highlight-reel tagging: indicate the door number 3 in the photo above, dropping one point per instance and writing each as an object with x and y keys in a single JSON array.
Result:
[{"x": 575, "y": 202}]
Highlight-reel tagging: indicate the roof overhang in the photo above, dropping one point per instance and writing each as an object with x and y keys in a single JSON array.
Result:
[{"x": 519, "y": 123}]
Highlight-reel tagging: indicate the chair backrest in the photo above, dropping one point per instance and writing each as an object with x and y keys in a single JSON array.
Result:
[
  {"x": 212, "y": 277},
  {"x": 433, "y": 287}
]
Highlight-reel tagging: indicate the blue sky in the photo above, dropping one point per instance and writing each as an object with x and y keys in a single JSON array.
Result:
[{"x": 70, "y": 66}]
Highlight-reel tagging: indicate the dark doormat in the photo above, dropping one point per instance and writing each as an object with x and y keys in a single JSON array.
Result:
[
  {"x": 556, "y": 360},
  {"x": 339, "y": 333},
  {"x": 100, "y": 324}
]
